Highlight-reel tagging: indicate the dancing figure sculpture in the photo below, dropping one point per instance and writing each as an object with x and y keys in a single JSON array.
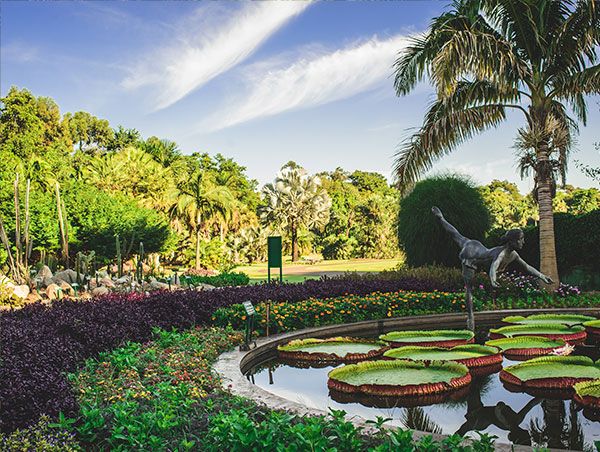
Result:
[{"x": 474, "y": 255}]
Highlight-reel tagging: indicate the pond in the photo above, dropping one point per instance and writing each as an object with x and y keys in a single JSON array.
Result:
[{"x": 485, "y": 406}]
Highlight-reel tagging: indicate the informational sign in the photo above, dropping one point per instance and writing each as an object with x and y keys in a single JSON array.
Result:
[
  {"x": 249, "y": 308},
  {"x": 274, "y": 251},
  {"x": 274, "y": 255}
]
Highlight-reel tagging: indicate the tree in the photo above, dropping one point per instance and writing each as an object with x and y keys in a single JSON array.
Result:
[
  {"x": 123, "y": 138},
  {"x": 487, "y": 56},
  {"x": 197, "y": 201},
  {"x": 423, "y": 239},
  {"x": 509, "y": 208},
  {"x": 88, "y": 132},
  {"x": 295, "y": 200}
]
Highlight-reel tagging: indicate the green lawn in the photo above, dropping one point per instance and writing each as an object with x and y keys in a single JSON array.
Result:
[{"x": 300, "y": 271}]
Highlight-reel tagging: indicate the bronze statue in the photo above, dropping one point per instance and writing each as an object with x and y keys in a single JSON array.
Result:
[{"x": 474, "y": 255}]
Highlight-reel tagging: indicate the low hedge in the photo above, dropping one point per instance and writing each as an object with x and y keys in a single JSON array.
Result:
[
  {"x": 39, "y": 343},
  {"x": 220, "y": 280}
]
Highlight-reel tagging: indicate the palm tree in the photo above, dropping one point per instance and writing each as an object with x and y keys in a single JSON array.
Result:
[
  {"x": 198, "y": 200},
  {"x": 487, "y": 56},
  {"x": 293, "y": 201}
]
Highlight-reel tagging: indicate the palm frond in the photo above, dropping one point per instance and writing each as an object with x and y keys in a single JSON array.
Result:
[{"x": 444, "y": 129}]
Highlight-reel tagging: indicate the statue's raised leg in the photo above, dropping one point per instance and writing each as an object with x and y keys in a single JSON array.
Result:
[{"x": 468, "y": 274}]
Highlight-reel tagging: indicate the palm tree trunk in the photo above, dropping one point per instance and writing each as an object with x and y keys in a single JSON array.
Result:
[
  {"x": 548, "y": 264},
  {"x": 197, "y": 265},
  {"x": 295, "y": 253}
]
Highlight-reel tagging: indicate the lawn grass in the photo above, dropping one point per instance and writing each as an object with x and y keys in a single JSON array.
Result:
[{"x": 300, "y": 271}]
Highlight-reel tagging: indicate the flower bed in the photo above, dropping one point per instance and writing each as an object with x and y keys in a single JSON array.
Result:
[
  {"x": 355, "y": 308},
  {"x": 41, "y": 343}
]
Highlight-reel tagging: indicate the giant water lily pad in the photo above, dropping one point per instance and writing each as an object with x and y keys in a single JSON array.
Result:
[
  {"x": 399, "y": 378},
  {"x": 471, "y": 355},
  {"x": 526, "y": 347},
  {"x": 334, "y": 349},
  {"x": 593, "y": 329},
  {"x": 547, "y": 319},
  {"x": 587, "y": 393},
  {"x": 435, "y": 338},
  {"x": 571, "y": 334},
  {"x": 551, "y": 372}
]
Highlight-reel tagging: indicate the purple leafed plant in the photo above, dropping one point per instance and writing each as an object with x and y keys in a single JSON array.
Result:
[{"x": 40, "y": 344}]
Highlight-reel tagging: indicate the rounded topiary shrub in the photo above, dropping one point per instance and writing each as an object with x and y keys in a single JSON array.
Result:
[{"x": 420, "y": 233}]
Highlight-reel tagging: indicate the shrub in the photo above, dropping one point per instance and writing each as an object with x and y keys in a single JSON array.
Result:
[
  {"x": 577, "y": 241},
  {"x": 40, "y": 343},
  {"x": 148, "y": 390},
  {"x": 422, "y": 238},
  {"x": 43, "y": 436},
  {"x": 220, "y": 280},
  {"x": 354, "y": 308}
]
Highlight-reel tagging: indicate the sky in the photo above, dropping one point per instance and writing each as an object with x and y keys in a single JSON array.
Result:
[{"x": 261, "y": 82}]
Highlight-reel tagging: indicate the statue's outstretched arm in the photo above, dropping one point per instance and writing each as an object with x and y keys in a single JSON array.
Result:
[
  {"x": 532, "y": 271},
  {"x": 456, "y": 236}
]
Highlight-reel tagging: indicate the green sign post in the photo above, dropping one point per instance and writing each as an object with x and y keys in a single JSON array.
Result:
[{"x": 274, "y": 253}]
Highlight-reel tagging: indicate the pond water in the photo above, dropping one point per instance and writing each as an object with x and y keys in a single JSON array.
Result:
[{"x": 485, "y": 406}]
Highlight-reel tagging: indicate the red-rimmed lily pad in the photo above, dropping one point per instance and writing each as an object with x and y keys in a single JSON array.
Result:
[
  {"x": 587, "y": 393},
  {"x": 572, "y": 334},
  {"x": 551, "y": 372},
  {"x": 526, "y": 347},
  {"x": 335, "y": 349},
  {"x": 399, "y": 378},
  {"x": 593, "y": 329},
  {"x": 547, "y": 319},
  {"x": 471, "y": 355},
  {"x": 435, "y": 338}
]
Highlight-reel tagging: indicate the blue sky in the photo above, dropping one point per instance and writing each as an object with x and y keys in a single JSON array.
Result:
[{"x": 262, "y": 82}]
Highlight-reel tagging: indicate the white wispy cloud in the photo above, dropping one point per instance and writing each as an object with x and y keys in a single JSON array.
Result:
[
  {"x": 19, "y": 52},
  {"x": 312, "y": 80},
  {"x": 202, "y": 50}
]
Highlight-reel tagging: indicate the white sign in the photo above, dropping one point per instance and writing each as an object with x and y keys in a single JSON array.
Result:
[{"x": 249, "y": 308}]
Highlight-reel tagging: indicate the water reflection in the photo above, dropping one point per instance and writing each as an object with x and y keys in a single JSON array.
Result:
[{"x": 486, "y": 405}]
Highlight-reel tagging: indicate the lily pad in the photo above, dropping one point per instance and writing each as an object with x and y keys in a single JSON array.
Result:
[
  {"x": 571, "y": 334},
  {"x": 471, "y": 355},
  {"x": 526, "y": 347},
  {"x": 587, "y": 393},
  {"x": 551, "y": 372},
  {"x": 435, "y": 338},
  {"x": 399, "y": 378},
  {"x": 547, "y": 319},
  {"x": 592, "y": 327},
  {"x": 334, "y": 349}
]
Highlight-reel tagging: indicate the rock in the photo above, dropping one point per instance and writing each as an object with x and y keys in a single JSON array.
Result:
[
  {"x": 33, "y": 297},
  {"x": 157, "y": 285},
  {"x": 100, "y": 291},
  {"x": 66, "y": 288},
  {"x": 107, "y": 282},
  {"x": 21, "y": 291},
  {"x": 102, "y": 274},
  {"x": 68, "y": 276},
  {"x": 202, "y": 286},
  {"x": 6, "y": 282},
  {"x": 46, "y": 282},
  {"x": 52, "y": 291},
  {"x": 123, "y": 280},
  {"x": 44, "y": 273}
]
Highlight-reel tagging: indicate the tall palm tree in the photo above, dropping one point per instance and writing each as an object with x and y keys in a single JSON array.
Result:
[
  {"x": 198, "y": 200},
  {"x": 487, "y": 56},
  {"x": 293, "y": 201}
]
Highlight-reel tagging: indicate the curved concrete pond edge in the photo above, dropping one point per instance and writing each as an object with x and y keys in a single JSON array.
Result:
[{"x": 232, "y": 366}]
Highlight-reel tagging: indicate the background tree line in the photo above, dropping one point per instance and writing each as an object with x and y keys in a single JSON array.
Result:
[
  {"x": 197, "y": 209},
  {"x": 191, "y": 208}
]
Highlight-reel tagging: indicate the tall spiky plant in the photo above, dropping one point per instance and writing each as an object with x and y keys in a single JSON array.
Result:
[{"x": 487, "y": 56}]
